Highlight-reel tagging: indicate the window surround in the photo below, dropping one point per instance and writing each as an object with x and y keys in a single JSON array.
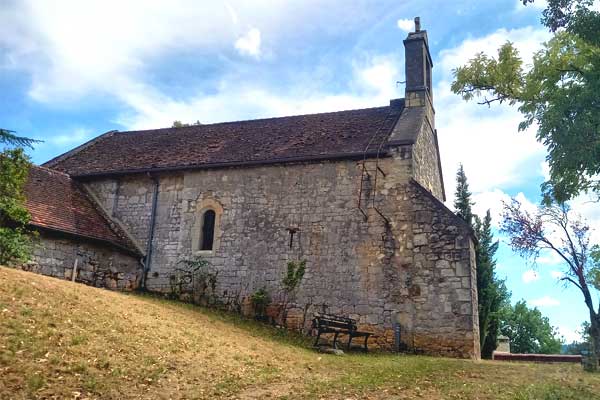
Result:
[{"x": 201, "y": 208}]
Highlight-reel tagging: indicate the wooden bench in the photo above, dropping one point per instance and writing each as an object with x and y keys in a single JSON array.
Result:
[{"x": 328, "y": 323}]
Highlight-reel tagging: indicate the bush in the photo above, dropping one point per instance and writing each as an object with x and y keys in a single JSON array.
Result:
[{"x": 260, "y": 301}]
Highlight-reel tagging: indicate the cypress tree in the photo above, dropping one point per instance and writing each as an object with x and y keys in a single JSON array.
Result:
[
  {"x": 491, "y": 292},
  {"x": 462, "y": 197}
]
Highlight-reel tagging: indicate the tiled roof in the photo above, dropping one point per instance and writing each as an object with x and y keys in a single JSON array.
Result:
[
  {"x": 58, "y": 203},
  {"x": 297, "y": 138}
]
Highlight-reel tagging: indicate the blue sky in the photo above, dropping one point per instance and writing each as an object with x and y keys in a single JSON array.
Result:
[{"x": 71, "y": 70}]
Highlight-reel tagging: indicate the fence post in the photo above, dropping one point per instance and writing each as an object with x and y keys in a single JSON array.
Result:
[{"x": 74, "y": 274}]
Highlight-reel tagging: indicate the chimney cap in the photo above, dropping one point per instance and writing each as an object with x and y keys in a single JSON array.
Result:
[{"x": 417, "y": 24}]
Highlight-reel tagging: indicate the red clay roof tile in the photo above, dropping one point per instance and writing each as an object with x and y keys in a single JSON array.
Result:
[{"x": 58, "y": 203}]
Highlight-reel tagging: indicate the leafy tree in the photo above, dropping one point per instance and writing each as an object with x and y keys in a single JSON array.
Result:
[
  {"x": 558, "y": 93},
  {"x": 491, "y": 292},
  {"x": 14, "y": 239},
  {"x": 552, "y": 228},
  {"x": 462, "y": 197},
  {"x": 529, "y": 331}
]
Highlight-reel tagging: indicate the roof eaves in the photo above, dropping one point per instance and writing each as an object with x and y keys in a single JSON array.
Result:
[
  {"x": 58, "y": 159},
  {"x": 327, "y": 157},
  {"x": 71, "y": 233}
]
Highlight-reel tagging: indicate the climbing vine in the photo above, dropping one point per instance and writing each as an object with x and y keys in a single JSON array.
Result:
[{"x": 194, "y": 281}]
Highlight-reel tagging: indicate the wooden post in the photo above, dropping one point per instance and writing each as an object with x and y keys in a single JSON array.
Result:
[{"x": 74, "y": 275}]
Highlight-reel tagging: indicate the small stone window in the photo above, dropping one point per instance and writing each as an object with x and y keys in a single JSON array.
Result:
[{"x": 208, "y": 230}]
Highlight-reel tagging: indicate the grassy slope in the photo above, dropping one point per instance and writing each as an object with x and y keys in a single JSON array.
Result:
[{"x": 64, "y": 340}]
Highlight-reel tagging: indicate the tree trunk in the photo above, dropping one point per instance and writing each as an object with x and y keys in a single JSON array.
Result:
[{"x": 592, "y": 364}]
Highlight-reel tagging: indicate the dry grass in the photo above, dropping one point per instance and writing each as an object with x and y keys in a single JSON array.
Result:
[{"x": 64, "y": 340}]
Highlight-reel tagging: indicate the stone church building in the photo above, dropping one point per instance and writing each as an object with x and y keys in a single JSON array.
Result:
[{"x": 358, "y": 194}]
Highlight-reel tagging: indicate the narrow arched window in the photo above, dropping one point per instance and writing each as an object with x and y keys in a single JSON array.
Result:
[{"x": 208, "y": 230}]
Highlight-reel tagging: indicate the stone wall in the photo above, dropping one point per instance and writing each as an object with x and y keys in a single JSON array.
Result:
[
  {"x": 426, "y": 162},
  {"x": 445, "y": 319},
  {"x": 415, "y": 271},
  {"x": 97, "y": 264}
]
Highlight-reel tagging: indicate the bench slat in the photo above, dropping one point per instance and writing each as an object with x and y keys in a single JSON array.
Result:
[{"x": 328, "y": 323}]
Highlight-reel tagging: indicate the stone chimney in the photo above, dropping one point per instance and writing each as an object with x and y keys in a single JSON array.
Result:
[{"x": 418, "y": 70}]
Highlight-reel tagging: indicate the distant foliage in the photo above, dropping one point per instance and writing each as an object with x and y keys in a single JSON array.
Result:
[
  {"x": 529, "y": 331},
  {"x": 583, "y": 345},
  {"x": 179, "y": 124},
  {"x": 15, "y": 242}
]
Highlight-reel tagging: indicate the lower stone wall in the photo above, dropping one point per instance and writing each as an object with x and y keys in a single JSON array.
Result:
[{"x": 97, "y": 265}]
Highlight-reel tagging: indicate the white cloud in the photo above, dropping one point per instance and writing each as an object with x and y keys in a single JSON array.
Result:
[
  {"x": 549, "y": 258},
  {"x": 530, "y": 276},
  {"x": 570, "y": 335},
  {"x": 556, "y": 274},
  {"x": 537, "y": 5},
  {"x": 586, "y": 207},
  {"x": 494, "y": 199},
  {"x": 545, "y": 301},
  {"x": 77, "y": 136},
  {"x": 249, "y": 44},
  {"x": 232, "y": 13},
  {"x": 71, "y": 53},
  {"x": 372, "y": 83},
  {"x": 72, "y": 48},
  {"x": 486, "y": 141},
  {"x": 406, "y": 24}
]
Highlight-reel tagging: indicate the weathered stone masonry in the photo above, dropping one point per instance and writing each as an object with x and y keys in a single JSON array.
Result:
[
  {"x": 417, "y": 273},
  {"x": 97, "y": 265}
]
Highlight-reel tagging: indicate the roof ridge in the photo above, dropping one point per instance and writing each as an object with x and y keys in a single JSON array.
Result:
[
  {"x": 54, "y": 171},
  {"x": 249, "y": 120},
  {"x": 52, "y": 162}
]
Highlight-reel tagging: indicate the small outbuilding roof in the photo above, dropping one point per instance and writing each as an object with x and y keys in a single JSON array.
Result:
[
  {"x": 335, "y": 135},
  {"x": 60, "y": 204}
]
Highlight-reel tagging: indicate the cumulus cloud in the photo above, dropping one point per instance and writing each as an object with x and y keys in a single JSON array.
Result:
[
  {"x": 530, "y": 276},
  {"x": 70, "y": 54},
  {"x": 372, "y": 83},
  {"x": 545, "y": 301},
  {"x": 249, "y": 44},
  {"x": 503, "y": 153},
  {"x": 407, "y": 24}
]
